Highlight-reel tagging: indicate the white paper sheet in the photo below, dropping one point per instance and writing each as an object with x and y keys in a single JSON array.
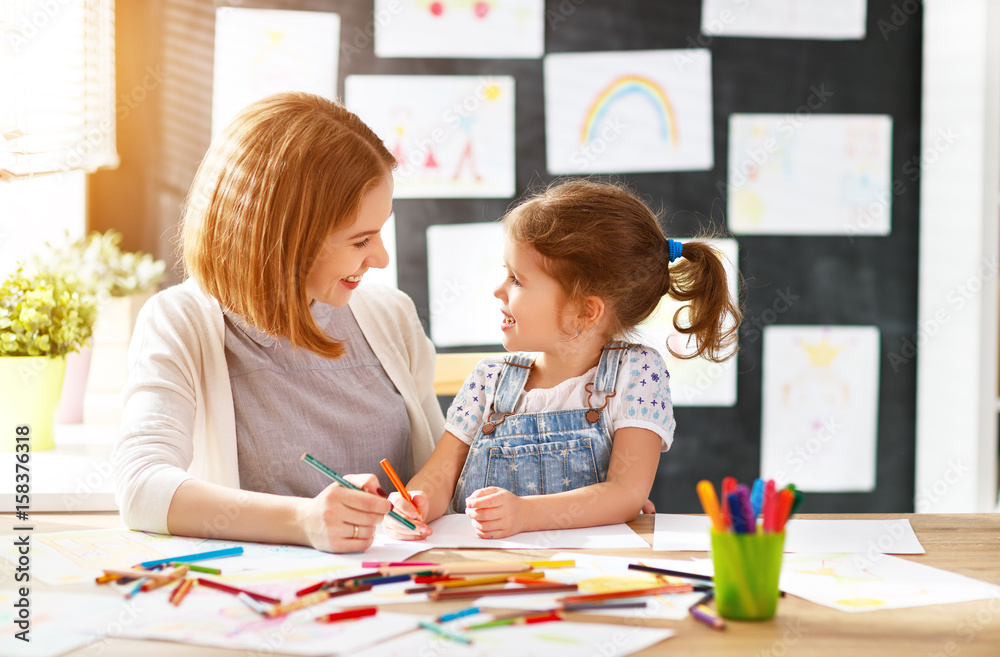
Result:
[
  {"x": 819, "y": 424},
  {"x": 621, "y": 112},
  {"x": 452, "y": 135},
  {"x": 455, "y": 531},
  {"x": 785, "y": 19},
  {"x": 214, "y": 618},
  {"x": 509, "y": 29},
  {"x": 563, "y": 639},
  {"x": 867, "y": 536},
  {"x": 853, "y": 582},
  {"x": 60, "y": 622},
  {"x": 259, "y": 52},
  {"x": 80, "y": 556},
  {"x": 810, "y": 174},
  {"x": 697, "y": 381},
  {"x": 464, "y": 266}
]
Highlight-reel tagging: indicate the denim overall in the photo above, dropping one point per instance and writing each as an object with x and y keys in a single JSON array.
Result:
[{"x": 541, "y": 453}]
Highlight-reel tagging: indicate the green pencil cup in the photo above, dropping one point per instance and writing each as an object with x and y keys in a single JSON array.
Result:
[{"x": 747, "y": 567}]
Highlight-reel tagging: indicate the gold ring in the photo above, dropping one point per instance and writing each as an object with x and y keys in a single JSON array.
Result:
[{"x": 356, "y": 528}]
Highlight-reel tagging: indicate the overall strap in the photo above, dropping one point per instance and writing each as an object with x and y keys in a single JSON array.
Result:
[
  {"x": 612, "y": 355},
  {"x": 513, "y": 376}
]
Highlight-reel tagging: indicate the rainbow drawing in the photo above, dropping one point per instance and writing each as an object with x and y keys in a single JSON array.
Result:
[{"x": 627, "y": 85}]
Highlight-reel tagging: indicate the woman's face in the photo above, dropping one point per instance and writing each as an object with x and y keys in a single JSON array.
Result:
[{"x": 349, "y": 252}]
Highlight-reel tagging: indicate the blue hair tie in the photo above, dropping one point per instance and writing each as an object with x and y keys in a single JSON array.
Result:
[{"x": 676, "y": 249}]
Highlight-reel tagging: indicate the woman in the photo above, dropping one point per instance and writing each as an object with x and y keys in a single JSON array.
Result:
[{"x": 271, "y": 349}]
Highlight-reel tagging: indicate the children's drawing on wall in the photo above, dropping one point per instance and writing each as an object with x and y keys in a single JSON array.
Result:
[
  {"x": 695, "y": 381},
  {"x": 511, "y": 29},
  {"x": 259, "y": 52},
  {"x": 809, "y": 175},
  {"x": 464, "y": 266},
  {"x": 453, "y": 136},
  {"x": 820, "y": 406},
  {"x": 623, "y": 112},
  {"x": 785, "y": 19}
]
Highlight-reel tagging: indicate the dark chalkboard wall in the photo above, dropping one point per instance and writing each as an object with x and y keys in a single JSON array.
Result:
[{"x": 838, "y": 280}]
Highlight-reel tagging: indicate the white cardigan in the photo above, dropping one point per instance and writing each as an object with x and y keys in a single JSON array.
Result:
[{"x": 179, "y": 422}]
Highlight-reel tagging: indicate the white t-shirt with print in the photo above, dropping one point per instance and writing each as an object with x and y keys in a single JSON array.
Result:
[{"x": 643, "y": 398}]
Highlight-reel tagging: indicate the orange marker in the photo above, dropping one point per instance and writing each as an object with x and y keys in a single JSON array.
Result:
[
  {"x": 783, "y": 508},
  {"x": 397, "y": 482},
  {"x": 711, "y": 504}
]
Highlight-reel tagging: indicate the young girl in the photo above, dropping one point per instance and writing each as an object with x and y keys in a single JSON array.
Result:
[{"x": 571, "y": 437}]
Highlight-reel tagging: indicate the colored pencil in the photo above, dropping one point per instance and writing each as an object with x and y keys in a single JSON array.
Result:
[
  {"x": 317, "y": 464},
  {"x": 235, "y": 591},
  {"x": 611, "y": 595},
  {"x": 258, "y": 607},
  {"x": 360, "y": 612},
  {"x": 440, "y": 631},
  {"x": 298, "y": 603},
  {"x": 475, "y": 593},
  {"x": 708, "y": 617},
  {"x": 582, "y": 606},
  {"x": 398, "y": 483},
  {"x": 526, "y": 618},
  {"x": 201, "y": 556},
  {"x": 181, "y": 590},
  {"x": 665, "y": 571},
  {"x": 443, "y": 618}
]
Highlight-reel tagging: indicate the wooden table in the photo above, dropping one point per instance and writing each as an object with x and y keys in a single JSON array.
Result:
[{"x": 968, "y": 544}]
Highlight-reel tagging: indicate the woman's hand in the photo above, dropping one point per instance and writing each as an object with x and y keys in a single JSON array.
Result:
[
  {"x": 395, "y": 529},
  {"x": 343, "y": 520},
  {"x": 495, "y": 512}
]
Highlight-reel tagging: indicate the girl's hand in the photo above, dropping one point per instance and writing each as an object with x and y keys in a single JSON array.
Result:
[
  {"x": 495, "y": 512},
  {"x": 395, "y": 529},
  {"x": 343, "y": 520}
]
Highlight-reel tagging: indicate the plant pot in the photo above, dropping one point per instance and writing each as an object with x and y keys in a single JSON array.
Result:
[
  {"x": 74, "y": 386},
  {"x": 30, "y": 387}
]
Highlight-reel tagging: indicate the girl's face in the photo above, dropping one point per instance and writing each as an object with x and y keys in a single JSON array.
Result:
[
  {"x": 532, "y": 302},
  {"x": 349, "y": 252}
]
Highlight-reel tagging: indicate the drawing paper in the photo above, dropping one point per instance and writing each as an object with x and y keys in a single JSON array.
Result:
[
  {"x": 509, "y": 29},
  {"x": 464, "y": 267},
  {"x": 259, "y": 52},
  {"x": 624, "y": 112},
  {"x": 452, "y": 135},
  {"x": 819, "y": 425},
  {"x": 810, "y": 174},
  {"x": 784, "y": 19}
]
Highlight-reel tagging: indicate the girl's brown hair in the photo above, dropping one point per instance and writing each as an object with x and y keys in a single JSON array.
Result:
[
  {"x": 286, "y": 173},
  {"x": 598, "y": 239}
]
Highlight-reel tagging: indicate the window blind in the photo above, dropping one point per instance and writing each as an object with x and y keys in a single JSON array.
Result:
[{"x": 57, "y": 87}]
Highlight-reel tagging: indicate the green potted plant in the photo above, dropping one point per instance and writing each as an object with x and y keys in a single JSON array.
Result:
[
  {"x": 43, "y": 317},
  {"x": 121, "y": 281}
]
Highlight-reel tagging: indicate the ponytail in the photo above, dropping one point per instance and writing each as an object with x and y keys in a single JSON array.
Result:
[{"x": 711, "y": 316}]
